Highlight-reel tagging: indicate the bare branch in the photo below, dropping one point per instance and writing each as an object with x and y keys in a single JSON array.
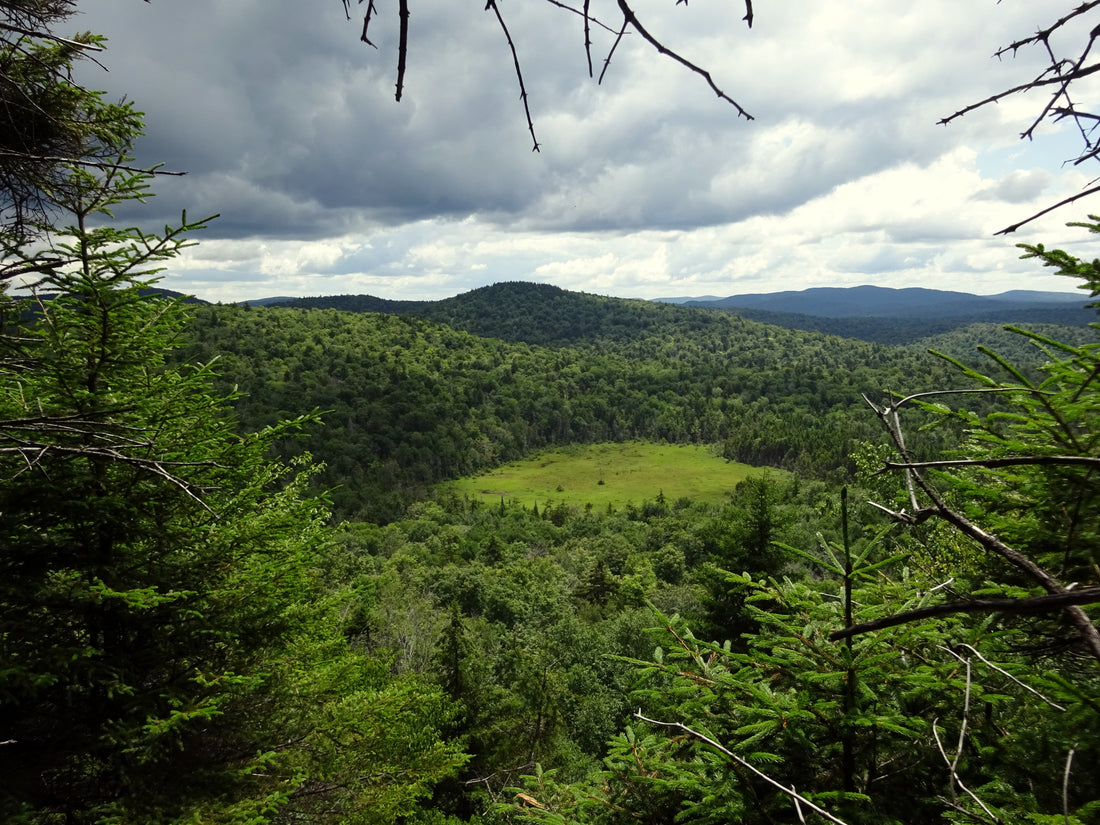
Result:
[
  {"x": 952, "y": 765},
  {"x": 581, "y": 13},
  {"x": 1054, "y": 82},
  {"x": 990, "y": 543},
  {"x": 629, "y": 16},
  {"x": 45, "y": 35},
  {"x": 707, "y": 740},
  {"x": 403, "y": 44},
  {"x": 1010, "y": 229},
  {"x": 1084, "y": 460},
  {"x": 1029, "y": 606},
  {"x": 1043, "y": 35},
  {"x": 492, "y": 4},
  {"x": 611, "y": 51},
  {"x": 587, "y": 37},
  {"x": 1012, "y": 678},
  {"x": 94, "y": 164},
  {"x": 366, "y": 22},
  {"x": 1065, "y": 783}
]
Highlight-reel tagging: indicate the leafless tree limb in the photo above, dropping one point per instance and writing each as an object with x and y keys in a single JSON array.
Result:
[
  {"x": 492, "y": 4},
  {"x": 630, "y": 20},
  {"x": 588, "y": 36},
  {"x": 1010, "y": 677},
  {"x": 953, "y": 764},
  {"x": 611, "y": 51},
  {"x": 1064, "y": 202},
  {"x": 33, "y": 454},
  {"x": 1084, "y": 460},
  {"x": 88, "y": 162},
  {"x": 402, "y": 45},
  {"x": 629, "y": 16},
  {"x": 794, "y": 795},
  {"x": 581, "y": 13},
  {"x": 1029, "y": 606},
  {"x": 915, "y": 481},
  {"x": 42, "y": 34},
  {"x": 1065, "y": 783},
  {"x": 1065, "y": 65}
]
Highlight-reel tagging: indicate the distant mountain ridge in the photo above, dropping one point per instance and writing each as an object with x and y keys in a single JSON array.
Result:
[
  {"x": 547, "y": 315},
  {"x": 877, "y": 301}
]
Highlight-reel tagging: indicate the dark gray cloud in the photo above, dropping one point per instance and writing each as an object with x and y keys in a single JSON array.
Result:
[{"x": 287, "y": 126}]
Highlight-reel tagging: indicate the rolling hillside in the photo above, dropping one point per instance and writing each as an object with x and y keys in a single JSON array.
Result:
[{"x": 409, "y": 402}]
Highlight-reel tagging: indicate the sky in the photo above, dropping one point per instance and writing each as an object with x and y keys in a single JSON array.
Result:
[{"x": 645, "y": 186}]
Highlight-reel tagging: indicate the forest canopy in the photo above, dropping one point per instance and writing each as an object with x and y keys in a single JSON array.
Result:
[{"x": 201, "y": 623}]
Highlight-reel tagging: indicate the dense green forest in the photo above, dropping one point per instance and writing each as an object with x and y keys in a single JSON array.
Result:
[
  {"x": 410, "y": 402},
  {"x": 559, "y": 318},
  {"x": 231, "y": 593}
]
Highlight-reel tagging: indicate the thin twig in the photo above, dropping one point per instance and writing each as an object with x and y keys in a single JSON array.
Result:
[
  {"x": 403, "y": 44},
  {"x": 492, "y": 4},
  {"x": 890, "y": 419},
  {"x": 1065, "y": 783},
  {"x": 952, "y": 764},
  {"x": 1008, "y": 675},
  {"x": 629, "y": 16},
  {"x": 706, "y": 739},
  {"x": 94, "y": 164},
  {"x": 1011, "y": 461},
  {"x": 611, "y": 51},
  {"x": 1010, "y": 229}
]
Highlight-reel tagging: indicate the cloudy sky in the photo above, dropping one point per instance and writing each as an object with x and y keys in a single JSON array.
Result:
[{"x": 645, "y": 186}]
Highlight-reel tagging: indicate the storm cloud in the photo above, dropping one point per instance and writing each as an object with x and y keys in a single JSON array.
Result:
[{"x": 645, "y": 185}]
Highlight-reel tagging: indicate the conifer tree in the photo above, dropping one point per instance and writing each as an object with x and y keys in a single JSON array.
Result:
[{"x": 167, "y": 653}]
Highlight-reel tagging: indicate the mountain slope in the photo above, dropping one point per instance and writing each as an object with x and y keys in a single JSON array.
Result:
[
  {"x": 548, "y": 316},
  {"x": 912, "y": 302},
  {"x": 411, "y": 402}
]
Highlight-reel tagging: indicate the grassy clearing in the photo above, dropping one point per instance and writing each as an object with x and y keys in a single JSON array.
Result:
[{"x": 602, "y": 474}]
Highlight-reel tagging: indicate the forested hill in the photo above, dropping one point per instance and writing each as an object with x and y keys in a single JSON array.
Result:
[
  {"x": 887, "y": 302},
  {"x": 549, "y": 316},
  {"x": 903, "y": 330},
  {"x": 520, "y": 311},
  {"x": 411, "y": 402}
]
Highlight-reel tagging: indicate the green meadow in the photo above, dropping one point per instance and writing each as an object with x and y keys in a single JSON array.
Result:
[{"x": 602, "y": 474}]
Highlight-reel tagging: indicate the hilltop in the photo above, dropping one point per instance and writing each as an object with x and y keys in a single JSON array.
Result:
[{"x": 549, "y": 316}]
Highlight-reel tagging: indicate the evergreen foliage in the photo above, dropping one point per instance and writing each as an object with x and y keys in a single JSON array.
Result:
[
  {"x": 168, "y": 653},
  {"x": 974, "y": 717}
]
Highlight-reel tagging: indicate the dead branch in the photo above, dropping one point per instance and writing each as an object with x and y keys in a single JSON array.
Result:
[
  {"x": 953, "y": 764},
  {"x": 41, "y": 34},
  {"x": 1030, "y": 606},
  {"x": 403, "y": 43},
  {"x": 93, "y": 164},
  {"x": 1055, "y": 83},
  {"x": 794, "y": 795},
  {"x": 1084, "y": 460},
  {"x": 492, "y": 4},
  {"x": 1065, "y": 782},
  {"x": 630, "y": 17},
  {"x": 630, "y": 20},
  {"x": 1009, "y": 676},
  {"x": 915, "y": 481},
  {"x": 1065, "y": 201}
]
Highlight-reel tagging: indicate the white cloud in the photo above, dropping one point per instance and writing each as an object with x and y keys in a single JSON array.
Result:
[{"x": 645, "y": 186}]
